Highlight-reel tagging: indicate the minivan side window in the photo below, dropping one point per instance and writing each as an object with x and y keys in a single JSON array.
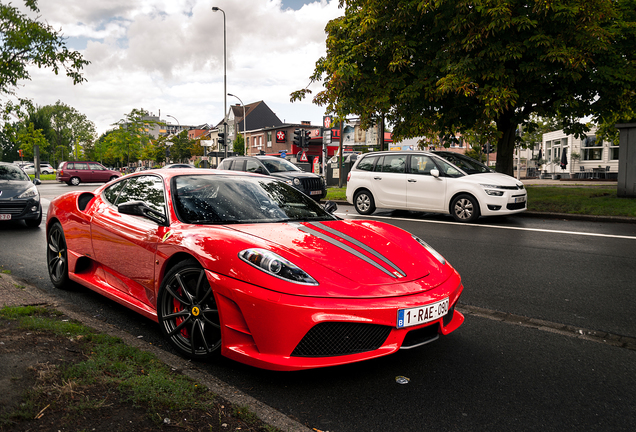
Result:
[
  {"x": 81, "y": 166},
  {"x": 367, "y": 163},
  {"x": 96, "y": 166},
  {"x": 70, "y": 165},
  {"x": 421, "y": 164},
  {"x": 392, "y": 163}
]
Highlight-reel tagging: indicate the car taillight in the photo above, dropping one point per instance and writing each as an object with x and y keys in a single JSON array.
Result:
[
  {"x": 349, "y": 176},
  {"x": 61, "y": 172}
]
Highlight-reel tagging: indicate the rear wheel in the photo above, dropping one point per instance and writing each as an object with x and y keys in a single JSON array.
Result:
[
  {"x": 364, "y": 203},
  {"x": 465, "y": 208},
  {"x": 188, "y": 313},
  {"x": 75, "y": 181},
  {"x": 57, "y": 256}
]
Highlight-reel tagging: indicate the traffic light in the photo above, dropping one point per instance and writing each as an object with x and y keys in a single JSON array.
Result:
[
  {"x": 221, "y": 139},
  {"x": 306, "y": 137},
  {"x": 298, "y": 137},
  {"x": 21, "y": 153}
]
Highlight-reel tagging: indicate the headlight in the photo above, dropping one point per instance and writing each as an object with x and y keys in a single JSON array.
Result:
[
  {"x": 275, "y": 265},
  {"x": 296, "y": 182},
  {"x": 432, "y": 251},
  {"x": 31, "y": 192},
  {"x": 490, "y": 189}
]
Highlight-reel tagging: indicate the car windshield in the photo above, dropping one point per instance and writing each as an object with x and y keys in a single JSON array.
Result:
[
  {"x": 465, "y": 163},
  {"x": 10, "y": 172},
  {"x": 279, "y": 165},
  {"x": 216, "y": 199}
]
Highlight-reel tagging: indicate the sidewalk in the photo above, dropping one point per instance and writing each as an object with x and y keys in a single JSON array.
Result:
[{"x": 14, "y": 292}]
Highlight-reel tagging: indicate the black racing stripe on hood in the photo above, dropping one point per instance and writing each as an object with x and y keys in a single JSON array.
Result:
[
  {"x": 360, "y": 245},
  {"x": 343, "y": 246}
]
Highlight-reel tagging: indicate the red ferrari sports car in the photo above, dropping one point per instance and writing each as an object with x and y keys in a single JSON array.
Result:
[{"x": 249, "y": 267}]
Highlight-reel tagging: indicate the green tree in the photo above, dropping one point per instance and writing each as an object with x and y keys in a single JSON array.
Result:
[
  {"x": 29, "y": 137},
  {"x": 26, "y": 42},
  {"x": 70, "y": 132},
  {"x": 238, "y": 146},
  {"x": 445, "y": 66},
  {"x": 129, "y": 137},
  {"x": 181, "y": 147}
]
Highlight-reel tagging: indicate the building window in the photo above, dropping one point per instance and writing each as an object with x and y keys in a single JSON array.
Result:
[
  {"x": 613, "y": 150},
  {"x": 269, "y": 139},
  {"x": 591, "y": 149}
]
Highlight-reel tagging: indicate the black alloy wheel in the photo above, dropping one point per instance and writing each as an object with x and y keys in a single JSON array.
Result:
[
  {"x": 188, "y": 313},
  {"x": 57, "y": 256},
  {"x": 465, "y": 208}
]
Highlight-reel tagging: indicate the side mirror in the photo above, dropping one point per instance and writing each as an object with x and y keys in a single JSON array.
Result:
[
  {"x": 139, "y": 208},
  {"x": 330, "y": 206},
  {"x": 37, "y": 181},
  {"x": 259, "y": 170},
  {"x": 435, "y": 173}
]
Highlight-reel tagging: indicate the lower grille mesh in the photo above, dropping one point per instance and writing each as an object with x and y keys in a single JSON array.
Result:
[{"x": 337, "y": 338}]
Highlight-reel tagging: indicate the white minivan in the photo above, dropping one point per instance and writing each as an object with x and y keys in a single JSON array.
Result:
[{"x": 437, "y": 182}]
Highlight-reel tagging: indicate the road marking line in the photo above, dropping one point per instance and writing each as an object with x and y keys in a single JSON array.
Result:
[
  {"x": 493, "y": 226},
  {"x": 552, "y": 327}
]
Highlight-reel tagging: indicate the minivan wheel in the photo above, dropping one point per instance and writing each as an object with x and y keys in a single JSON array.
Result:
[
  {"x": 75, "y": 181},
  {"x": 364, "y": 203},
  {"x": 465, "y": 208}
]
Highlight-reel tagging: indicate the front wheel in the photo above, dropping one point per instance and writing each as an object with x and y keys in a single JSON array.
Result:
[
  {"x": 364, "y": 203},
  {"x": 188, "y": 313},
  {"x": 465, "y": 208},
  {"x": 57, "y": 256},
  {"x": 113, "y": 178}
]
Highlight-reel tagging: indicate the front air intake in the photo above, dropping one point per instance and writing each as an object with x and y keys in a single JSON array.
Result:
[{"x": 341, "y": 338}]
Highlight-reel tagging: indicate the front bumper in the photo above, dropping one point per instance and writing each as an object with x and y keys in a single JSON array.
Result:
[
  {"x": 510, "y": 202},
  {"x": 21, "y": 209},
  {"x": 276, "y": 331}
]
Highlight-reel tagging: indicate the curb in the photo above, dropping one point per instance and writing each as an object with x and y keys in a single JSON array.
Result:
[{"x": 16, "y": 292}]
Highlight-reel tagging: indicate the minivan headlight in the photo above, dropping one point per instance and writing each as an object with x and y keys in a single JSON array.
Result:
[{"x": 492, "y": 190}]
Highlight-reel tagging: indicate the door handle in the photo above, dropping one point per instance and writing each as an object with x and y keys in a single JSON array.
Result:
[
  {"x": 377, "y": 178},
  {"x": 412, "y": 181}
]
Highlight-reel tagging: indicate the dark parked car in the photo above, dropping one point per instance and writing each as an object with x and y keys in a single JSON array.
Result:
[
  {"x": 309, "y": 183},
  {"x": 19, "y": 197},
  {"x": 74, "y": 173}
]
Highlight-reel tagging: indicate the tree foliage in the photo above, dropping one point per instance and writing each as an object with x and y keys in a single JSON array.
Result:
[
  {"x": 443, "y": 67},
  {"x": 26, "y": 42}
]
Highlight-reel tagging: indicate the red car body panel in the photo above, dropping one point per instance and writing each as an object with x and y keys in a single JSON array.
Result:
[{"x": 365, "y": 271}]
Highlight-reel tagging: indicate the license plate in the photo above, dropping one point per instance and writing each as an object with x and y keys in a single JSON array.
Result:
[
  {"x": 315, "y": 192},
  {"x": 520, "y": 199},
  {"x": 5, "y": 217},
  {"x": 422, "y": 314}
]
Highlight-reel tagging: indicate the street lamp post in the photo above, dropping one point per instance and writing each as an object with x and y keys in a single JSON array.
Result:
[
  {"x": 244, "y": 123},
  {"x": 216, "y": 9}
]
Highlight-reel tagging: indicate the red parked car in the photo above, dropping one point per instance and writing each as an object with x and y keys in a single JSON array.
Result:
[
  {"x": 74, "y": 173},
  {"x": 247, "y": 266}
]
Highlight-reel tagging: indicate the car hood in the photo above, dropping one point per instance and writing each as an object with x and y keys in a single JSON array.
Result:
[
  {"x": 13, "y": 188},
  {"x": 498, "y": 179},
  {"x": 362, "y": 259}
]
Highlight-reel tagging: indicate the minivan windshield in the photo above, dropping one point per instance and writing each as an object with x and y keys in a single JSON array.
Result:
[{"x": 465, "y": 163}]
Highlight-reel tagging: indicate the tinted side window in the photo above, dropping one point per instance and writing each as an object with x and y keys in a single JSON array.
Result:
[
  {"x": 81, "y": 166},
  {"x": 392, "y": 163},
  {"x": 367, "y": 163},
  {"x": 148, "y": 189},
  {"x": 238, "y": 165},
  {"x": 112, "y": 192},
  {"x": 225, "y": 165},
  {"x": 251, "y": 166}
]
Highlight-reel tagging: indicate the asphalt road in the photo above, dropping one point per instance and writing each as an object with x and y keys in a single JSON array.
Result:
[{"x": 489, "y": 374}]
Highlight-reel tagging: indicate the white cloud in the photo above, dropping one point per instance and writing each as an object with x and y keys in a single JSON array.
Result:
[{"x": 167, "y": 55}]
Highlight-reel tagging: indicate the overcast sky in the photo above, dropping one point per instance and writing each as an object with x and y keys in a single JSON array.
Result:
[{"x": 166, "y": 56}]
